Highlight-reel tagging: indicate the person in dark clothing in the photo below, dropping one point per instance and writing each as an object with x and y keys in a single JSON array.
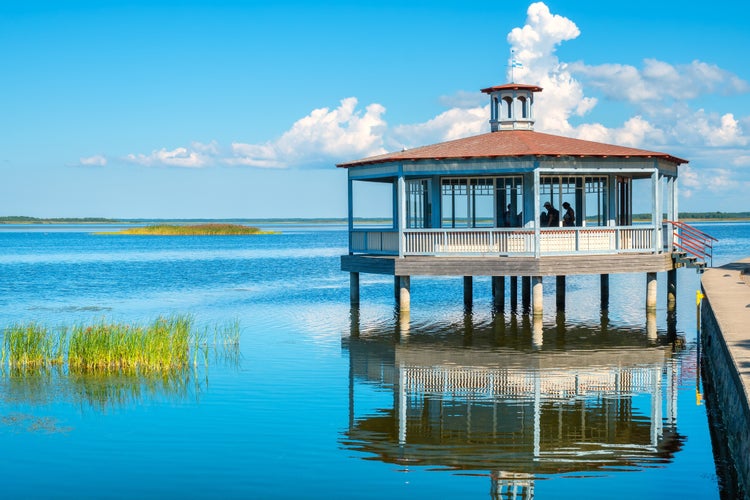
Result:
[
  {"x": 569, "y": 217},
  {"x": 553, "y": 215}
]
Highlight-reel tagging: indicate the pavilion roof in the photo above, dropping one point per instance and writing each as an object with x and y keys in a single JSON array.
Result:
[{"x": 513, "y": 143}]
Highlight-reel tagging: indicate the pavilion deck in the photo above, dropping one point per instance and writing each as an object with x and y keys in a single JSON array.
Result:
[{"x": 555, "y": 265}]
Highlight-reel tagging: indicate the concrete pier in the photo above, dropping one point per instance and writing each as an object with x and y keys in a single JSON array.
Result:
[
  {"x": 498, "y": 292},
  {"x": 560, "y": 293},
  {"x": 538, "y": 302},
  {"x": 725, "y": 316},
  {"x": 525, "y": 293},
  {"x": 404, "y": 293},
  {"x": 468, "y": 292},
  {"x": 650, "y": 291}
]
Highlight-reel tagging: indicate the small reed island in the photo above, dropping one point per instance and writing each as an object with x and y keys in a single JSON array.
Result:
[{"x": 193, "y": 230}]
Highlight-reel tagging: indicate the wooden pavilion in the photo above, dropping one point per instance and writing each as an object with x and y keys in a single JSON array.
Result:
[{"x": 492, "y": 205}]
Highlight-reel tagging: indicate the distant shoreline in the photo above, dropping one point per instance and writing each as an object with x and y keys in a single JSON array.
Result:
[{"x": 6, "y": 220}]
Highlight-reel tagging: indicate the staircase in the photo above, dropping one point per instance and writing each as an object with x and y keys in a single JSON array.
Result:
[{"x": 691, "y": 247}]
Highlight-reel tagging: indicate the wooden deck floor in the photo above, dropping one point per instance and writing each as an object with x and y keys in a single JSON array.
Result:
[{"x": 507, "y": 266}]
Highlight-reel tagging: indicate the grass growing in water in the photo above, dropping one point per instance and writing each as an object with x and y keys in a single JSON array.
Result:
[
  {"x": 31, "y": 346},
  {"x": 165, "y": 344},
  {"x": 194, "y": 230}
]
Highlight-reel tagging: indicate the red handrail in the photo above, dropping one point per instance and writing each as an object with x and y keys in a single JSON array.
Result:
[{"x": 693, "y": 241}]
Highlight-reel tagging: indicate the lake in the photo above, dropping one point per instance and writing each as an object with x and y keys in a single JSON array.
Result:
[{"x": 320, "y": 401}]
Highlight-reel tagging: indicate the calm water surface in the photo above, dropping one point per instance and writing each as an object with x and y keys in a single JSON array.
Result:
[{"x": 321, "y": 401}]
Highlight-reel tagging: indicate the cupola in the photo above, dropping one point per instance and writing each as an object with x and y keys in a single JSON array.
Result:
[{"x": 512, "y": 106}]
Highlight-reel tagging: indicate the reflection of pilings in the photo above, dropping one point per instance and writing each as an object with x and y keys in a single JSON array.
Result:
[
  {"x": 656, "y": 410},
  {"x": 651, "y": 325},
  {"x": 560, "y": 292},
  {"x": 671, "y": 326},
  {"x": 354, "y": 322},
  {"x": 354, "y": 289},
  {"x": 537, "y": 335},
  {"x": 671, "y": 290},
  {"x": 671, "y": 394},
  {"x": 468, "y": 328},
  {"x": 560, "y": 329},
  {"x": 537, "y": 417},
  {"x": 604, "y": 291},
  {"x": 404, "y": 319},
  {"x": 401, "y": 404},
  {"x": 508, "y": 485}
]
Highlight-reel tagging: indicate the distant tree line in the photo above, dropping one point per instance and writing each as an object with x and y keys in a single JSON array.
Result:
[
  {"x": 22, "y": 219},
  {"x": 699, "y": 216}
]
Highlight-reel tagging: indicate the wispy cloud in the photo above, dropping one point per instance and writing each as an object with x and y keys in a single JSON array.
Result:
[{"x": 93, "y": 161}]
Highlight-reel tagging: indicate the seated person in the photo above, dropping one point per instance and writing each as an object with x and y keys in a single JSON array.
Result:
[
  {"x": 569, "y": 217},
  {"x": 553, "y": 215}
]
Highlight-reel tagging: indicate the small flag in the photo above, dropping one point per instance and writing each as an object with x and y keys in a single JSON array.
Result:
[{"x": 513, "y": 62}]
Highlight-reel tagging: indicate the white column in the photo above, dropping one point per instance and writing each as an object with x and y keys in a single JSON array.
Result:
[
  {"x": 401, "y": 215},
  {"x": 656, "y": 217},
  {"x": 351, "y": 213},
  {"x": 537, "y": 199}
]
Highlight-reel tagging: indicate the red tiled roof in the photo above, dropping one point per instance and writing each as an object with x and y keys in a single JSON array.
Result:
[
  {"x": 512, "y": 86},
  {"x": 513, "y": 143}
]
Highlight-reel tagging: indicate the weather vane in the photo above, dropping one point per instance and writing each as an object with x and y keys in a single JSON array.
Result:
[{"x": 513, "y": 65}]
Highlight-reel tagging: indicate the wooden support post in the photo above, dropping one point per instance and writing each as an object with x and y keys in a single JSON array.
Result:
[
  {"x": 651, "y": 291},
  {"x": 671, "y": 290},
  {"x": 538, "y": 295},
  {"x": 468, "y": 291},
  {"x": 525, "y": 293},
  {"x": 604, "y": 287},
  {"x": 498, "y": 292},
  {"x": 354, "y": 289},
  {"x": 404, "y": 294},
  {"x": 560, "y": 293},
  {"x": 513, "y": 293}
]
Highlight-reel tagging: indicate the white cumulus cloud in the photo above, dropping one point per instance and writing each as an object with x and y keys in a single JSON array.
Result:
[{"x": 322, "y": 137}]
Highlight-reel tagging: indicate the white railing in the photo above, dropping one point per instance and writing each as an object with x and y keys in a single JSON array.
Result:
[
  {"x": 469, "y": 242},
  {"x": 506, "y": 241},
  {"x": 373, "y": 241}
]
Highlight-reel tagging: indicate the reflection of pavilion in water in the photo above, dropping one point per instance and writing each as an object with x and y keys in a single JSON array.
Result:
[{"x": 593, "y": 399}]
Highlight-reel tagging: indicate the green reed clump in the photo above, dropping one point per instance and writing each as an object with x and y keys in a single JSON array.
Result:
[
  {"x": 164, "y": 344},
  {"x": 30, "y": 346}
]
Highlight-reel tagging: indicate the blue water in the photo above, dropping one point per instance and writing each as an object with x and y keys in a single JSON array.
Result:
[{"x": 321, "y": 402}]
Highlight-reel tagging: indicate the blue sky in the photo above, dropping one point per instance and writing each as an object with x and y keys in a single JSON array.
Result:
[{"x": 218, "y": 109}]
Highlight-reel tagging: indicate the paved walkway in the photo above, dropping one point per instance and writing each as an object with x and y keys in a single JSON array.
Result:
[{"x": 728, "y": 290}]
